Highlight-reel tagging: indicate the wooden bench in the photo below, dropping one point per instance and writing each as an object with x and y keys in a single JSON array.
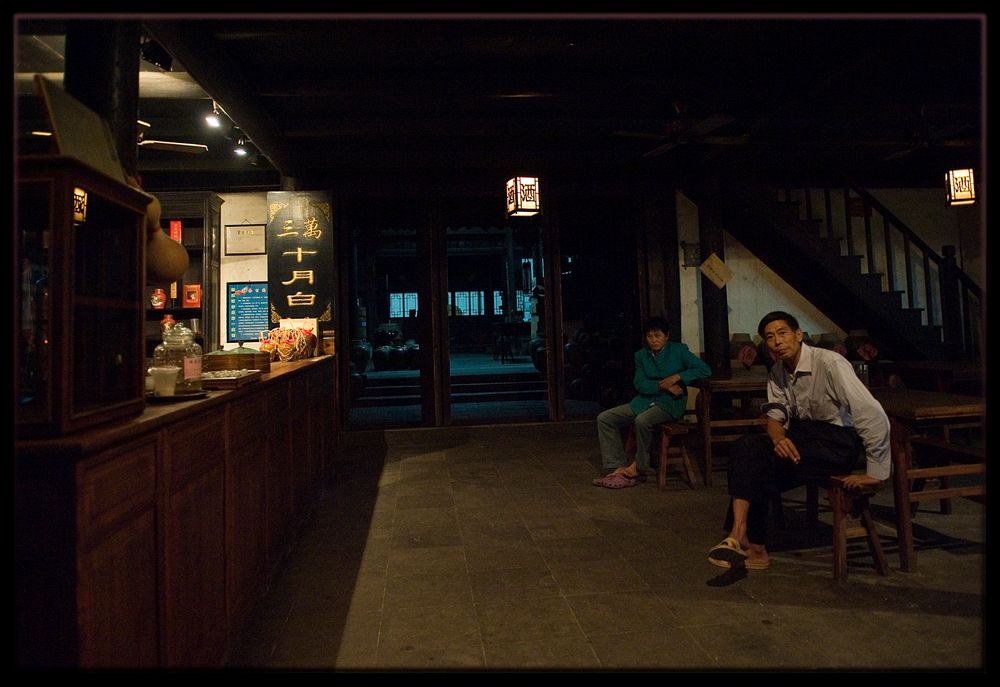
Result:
[{"x": 939, "y": 456}]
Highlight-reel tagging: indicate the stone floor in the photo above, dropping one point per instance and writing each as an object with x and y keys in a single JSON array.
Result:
[{"x": 487, "y": 548}]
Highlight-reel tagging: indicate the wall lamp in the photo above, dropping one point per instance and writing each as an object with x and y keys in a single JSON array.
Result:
[{"x": 960, "y": 187}]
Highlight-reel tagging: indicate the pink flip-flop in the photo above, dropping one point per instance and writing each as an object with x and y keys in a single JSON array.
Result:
[{"x": 614, "y": 481}]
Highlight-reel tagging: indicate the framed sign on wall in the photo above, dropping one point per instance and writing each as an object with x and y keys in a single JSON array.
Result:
[
  {"x": 246, "y": 239},
  {"x": 246, "y": 310}
]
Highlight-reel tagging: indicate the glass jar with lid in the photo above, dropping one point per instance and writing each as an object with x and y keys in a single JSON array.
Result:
[{"x": 179, "y": 349}]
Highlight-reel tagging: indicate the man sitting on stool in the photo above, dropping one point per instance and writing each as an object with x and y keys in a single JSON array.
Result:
[{"x": 820, "y": 419}]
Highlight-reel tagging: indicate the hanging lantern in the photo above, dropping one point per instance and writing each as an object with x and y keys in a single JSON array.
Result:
[
  {"x": 960, "y": 187},
  {"x": 522, "y": 197}
]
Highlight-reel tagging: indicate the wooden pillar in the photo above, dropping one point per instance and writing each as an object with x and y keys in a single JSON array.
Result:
[
  {"x": 715, "y": 305},
  {"x": 102, "y": 72},
  {"x": 951, "y": 305},
  {"x": 555, "y": 364},
  {"x": 656, "y": 256},
  {"x": 435, "y": 366}
]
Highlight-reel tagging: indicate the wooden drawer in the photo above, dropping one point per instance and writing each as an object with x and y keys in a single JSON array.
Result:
[
  {"x": 115, "y": 483},
  {"x": 193, "y": 447},
  {"x": 247, "y": 418}
]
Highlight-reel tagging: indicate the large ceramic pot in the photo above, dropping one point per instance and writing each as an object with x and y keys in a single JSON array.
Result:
[
  {"x": 386, "y": 334},
  {"x": 537, "y": 350},
  {"x": 361, "y": 355},
  {"x": 380, "y": 358}
]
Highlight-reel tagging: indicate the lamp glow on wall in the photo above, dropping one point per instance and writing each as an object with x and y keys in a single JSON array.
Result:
[
  {"x": 79, "y": 205},
  {"x": 522, "y": 197},
  {"x": 960, "y": 188}
]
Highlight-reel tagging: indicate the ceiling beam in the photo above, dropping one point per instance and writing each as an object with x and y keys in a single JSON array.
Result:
[{"x": 193, "y": 44}]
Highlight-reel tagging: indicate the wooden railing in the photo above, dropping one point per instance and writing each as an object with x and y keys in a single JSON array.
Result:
[{"x": 950, "y": 300}]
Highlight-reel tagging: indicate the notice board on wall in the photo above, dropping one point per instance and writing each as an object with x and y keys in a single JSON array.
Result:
[{"x": 246, "y": 310}]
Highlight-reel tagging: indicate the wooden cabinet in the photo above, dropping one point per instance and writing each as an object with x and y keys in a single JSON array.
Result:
[
  {"x": 147, "y": 542},
  {"x": 79, "y": 252},
  {"x": 86, "y": 556},
  {"x": 246, "y": 559},
  {"x": 194, "y": 547},
  {"x": 280, "y": 468},
  {"x": 196, "y": 216},
  {"x": 117, "y": 515}
]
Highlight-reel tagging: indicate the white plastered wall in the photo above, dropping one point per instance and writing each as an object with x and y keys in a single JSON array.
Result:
[{"x": 239, "y": 208}]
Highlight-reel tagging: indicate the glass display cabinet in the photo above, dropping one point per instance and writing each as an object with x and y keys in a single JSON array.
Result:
[
  {"x": 193, "y": 299},
  {"x": 79, "y": 252}
]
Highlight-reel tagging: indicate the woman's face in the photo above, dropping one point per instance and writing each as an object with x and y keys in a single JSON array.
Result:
[{"x": 656, "y": 340}]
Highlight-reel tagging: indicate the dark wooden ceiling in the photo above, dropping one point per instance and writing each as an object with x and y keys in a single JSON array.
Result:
[{"x": 353, "y": 100}]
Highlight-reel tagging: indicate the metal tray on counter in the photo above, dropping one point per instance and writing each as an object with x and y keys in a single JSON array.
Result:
[{"x": 228, "y": 379}]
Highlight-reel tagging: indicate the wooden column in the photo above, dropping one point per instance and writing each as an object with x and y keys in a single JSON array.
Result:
[
  {"x": 951, "y": 305},
  {"x": 435, "y": 365},
  {"x": 656, "y": 255},
  {"x": 102, "y": 72},
  {"x": 715, "y": 305},
  {"x": 555, "y": 364}
]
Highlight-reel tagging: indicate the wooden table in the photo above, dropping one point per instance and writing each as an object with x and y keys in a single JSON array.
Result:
[
  {"x": 506, "y": 334},
  {"x": 940, "y": 375},
  {"x": 743, "y": 385},
  {"x": 911, "y": 411}
]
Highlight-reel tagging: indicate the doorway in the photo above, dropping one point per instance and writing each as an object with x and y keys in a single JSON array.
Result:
[
  {"x": 445, "y": 308},
  {"x": 495, "y": 341}
]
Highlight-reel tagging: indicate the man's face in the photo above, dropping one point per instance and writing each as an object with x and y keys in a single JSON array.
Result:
[
  {"x": 656, "y": 340},
  {"x": 783, "y": 341}
]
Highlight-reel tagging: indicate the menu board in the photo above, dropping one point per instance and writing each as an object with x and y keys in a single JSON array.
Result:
[{"x": 246, "y": 310}]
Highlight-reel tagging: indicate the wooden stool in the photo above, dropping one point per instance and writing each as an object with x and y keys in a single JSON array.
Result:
[
  {"x": 843, "y": 503},
  {"x": 669, "y": 448},
  {"x": 854, "y": 502}
]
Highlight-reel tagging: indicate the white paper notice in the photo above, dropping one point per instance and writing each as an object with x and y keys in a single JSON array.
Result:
[{"x": 716, "y": 270}]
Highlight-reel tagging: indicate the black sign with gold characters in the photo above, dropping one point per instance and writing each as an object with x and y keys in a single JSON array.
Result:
[{"x": 300, "y": 255}]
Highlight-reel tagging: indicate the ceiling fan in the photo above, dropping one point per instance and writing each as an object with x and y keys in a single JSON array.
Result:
[
  {"x": 681, "y": 131},
  {"x": 938, "y": 126},
  {"x": 156, "y": 60},
  {"x": 171, "y": 146}
]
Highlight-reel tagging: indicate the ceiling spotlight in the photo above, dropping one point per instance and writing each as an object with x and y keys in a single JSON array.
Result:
[
  {"x": 213, "y": 119},
  {"x": 241, "y": 146}
]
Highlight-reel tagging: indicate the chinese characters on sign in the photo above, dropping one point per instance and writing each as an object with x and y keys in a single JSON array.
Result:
[
  {"x": 300, "y": 255},
  {"x": 246, "y": 239}
]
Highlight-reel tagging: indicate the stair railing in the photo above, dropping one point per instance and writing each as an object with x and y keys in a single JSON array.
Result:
[{"x": 949, "y": 298}]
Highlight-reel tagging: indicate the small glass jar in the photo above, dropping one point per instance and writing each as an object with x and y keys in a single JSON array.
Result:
[{"x": 180, "y": 350}]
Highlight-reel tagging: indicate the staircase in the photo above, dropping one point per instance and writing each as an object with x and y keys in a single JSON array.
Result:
[
  {"x": 395, "y": 391},
  {"x": 880, "y": 277}
]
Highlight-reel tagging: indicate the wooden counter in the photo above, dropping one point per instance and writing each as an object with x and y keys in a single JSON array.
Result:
[{"x": 147, "y": 542}]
